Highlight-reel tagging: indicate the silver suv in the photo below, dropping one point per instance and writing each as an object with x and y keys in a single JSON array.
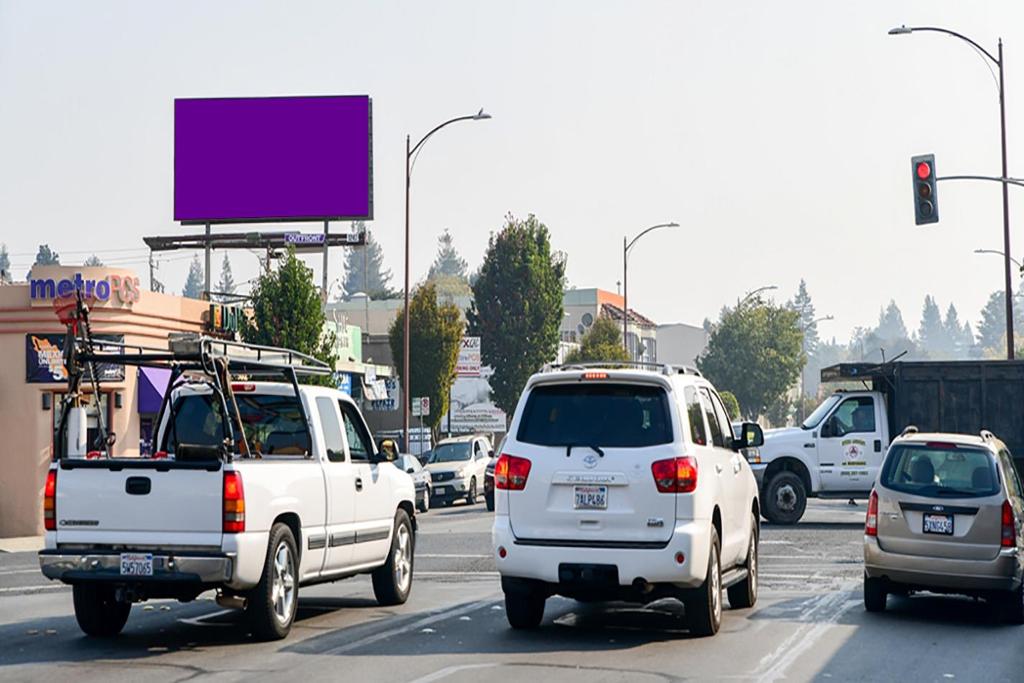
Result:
[{"x": 945, "y": 517}]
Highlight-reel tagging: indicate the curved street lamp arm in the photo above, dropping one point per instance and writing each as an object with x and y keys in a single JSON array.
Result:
[
  {"x": 437, "y": 128},
  {"x": 961, "y": 36},
  {"x": 653, "y": 227}
]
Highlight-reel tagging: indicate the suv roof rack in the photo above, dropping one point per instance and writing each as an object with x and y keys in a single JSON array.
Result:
[
  {"x": 987, "y": 435},
  {"x": 663, "y": 368},
  {"x": 909, "y": 429}
]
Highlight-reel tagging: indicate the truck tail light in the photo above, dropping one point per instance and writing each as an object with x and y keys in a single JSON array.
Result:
[
  {"x": 675, "y": 475},
  {"x": 871, "y": 521},
  {"x": 1009, "y": 534},
  {"x": 50, "y": 501},
  {"x": 234, "y": 503},
  {"x": 511, "y": 473}
]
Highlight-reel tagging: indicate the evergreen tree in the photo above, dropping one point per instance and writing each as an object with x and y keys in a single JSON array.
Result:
[
  {"x": 961, "y": 338},
  {"x": 602, "y": 342},
  {"x": 992, "y": 326},
  {"x": 226, "y": 284},
  {"x": 46, "y": 257},
  {"x": 888, "y": 339},
  {"x": 802, "y": 304},
  {"x": 93, "y": 262},
  {"x": 364, "y": 269},
  {"x": 448, "y": 262},
  {"x": 932, "y": 336},
  {"x": 5, "y": 264},
  {"x": 195, "y": 281}
]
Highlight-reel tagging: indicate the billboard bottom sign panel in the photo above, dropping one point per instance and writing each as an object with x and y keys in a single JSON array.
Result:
[{"x": 472, "y": 409}]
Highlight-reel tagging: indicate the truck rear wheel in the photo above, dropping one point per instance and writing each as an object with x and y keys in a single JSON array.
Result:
[
  {"x": 98, "y": 614},
  {"x": 272, "y": 604},
  {"x": 785, "y": 498},
  {"x": 392, "y": 582}
]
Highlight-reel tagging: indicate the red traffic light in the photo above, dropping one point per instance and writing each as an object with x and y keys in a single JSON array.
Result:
[{"x": 924, "y": 170}]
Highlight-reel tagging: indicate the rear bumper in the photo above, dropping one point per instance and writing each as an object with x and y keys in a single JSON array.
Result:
[
  {"x": 106, "y": 566},
  {"x": 652, "y": 565},
  {"x": 1001, "y": 573}
]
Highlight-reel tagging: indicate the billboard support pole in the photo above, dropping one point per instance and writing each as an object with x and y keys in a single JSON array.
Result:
[
  {"x": 325, "y": 292},
  {"x": 206, "y": 292}
]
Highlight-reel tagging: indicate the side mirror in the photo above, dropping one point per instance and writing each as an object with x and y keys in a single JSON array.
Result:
[
  {"x": 751, "y": 436},
  {"x": 828, "y": 429},
  {"x": 490, "y": 454},
  {"x": 411, "y": 471}
]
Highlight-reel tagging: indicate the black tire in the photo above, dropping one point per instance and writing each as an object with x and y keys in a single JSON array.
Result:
[
  {"x": 524, "y": 610},
  {"x": 785, "y": 498},
  {"x": 489, "y": 501},
  {"x": 744, "y": 594},
  {"x": 875, "y": 594},
  {"x": 704, "y": 608},
  {"x": 392, "y": 582},
  {"x": 271, "y": 606},
  {"x": 98, "y": 614},
  {"x": 1012, "y": 606},
  {"x": 472, "y": 495},
  {"x": 424, "y": 505}
]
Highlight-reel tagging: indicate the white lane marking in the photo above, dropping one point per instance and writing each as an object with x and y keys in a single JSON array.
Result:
[
  {"x": 24, "y": 571},
  {"x": 198, "y": 621},
  {"x": 33, "y": 589},
  {"x": 414, "y": 626},
  {"x": 452, "y": 555},
  {"x": 449, "y": 670},
  {"x": 422, "y": 573},
  {"x": 773, "y": 542},
  {"x": 817, "y": 618}
]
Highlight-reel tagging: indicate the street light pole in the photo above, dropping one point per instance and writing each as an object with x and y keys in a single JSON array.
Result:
[
  {"x": 999, "y": 253},
  {"x": 410, "y": 153},
  {"x": 626, "y": 246},
  {"x": 998, "y": 61}
]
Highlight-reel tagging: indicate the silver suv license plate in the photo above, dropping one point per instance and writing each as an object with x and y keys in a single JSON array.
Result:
[
  {"x": 136, "y": 564},
  {"x": 590, "y": 497}
]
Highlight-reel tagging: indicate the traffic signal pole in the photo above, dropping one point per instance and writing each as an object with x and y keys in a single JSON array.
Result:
[{"x": 1006, "y": 214}]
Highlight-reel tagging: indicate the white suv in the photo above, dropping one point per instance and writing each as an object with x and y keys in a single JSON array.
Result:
[{"x": 625, "y": 484}]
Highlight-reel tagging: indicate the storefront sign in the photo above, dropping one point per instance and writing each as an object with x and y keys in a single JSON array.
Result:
[
  {"x": 468, "y": 362},
  {"x": 343, "y": 382},
  {"x": 389, "y": 404},
  {"x": 122, "y": 288},
  {"x": 305, "y": 239},
  {"x": 223, "y": 320},
  {"x": 44, "y": 359}
]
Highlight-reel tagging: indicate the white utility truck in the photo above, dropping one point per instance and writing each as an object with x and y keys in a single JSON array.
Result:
[{"x": 254, "y": 489}]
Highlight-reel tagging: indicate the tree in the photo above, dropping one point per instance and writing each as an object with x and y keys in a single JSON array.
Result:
[
  {"x": 602, "y": 342},
  {"x": 960, "y": 337},
  {"x": 46, "y": 257},
  {"x": 932, "y": 336},
  {"x": 992, "y": 326},
  {"x": 5, "y": 264},
  {"x": 287, "y": 312},
  {"x": 732, "y": 406},
  {"x": 435, "y": 333},
  {"x": 226, "y": 284},
  {"x": 448, "y": 261},
  {"x": 779, "y": 411},
  {"x": 802, "y": 304},
  {"x": 93, "y": 262},
  {"x": 517, "y": 306},
  {"x": 756, "y": 353},
  {"x": 364, "y": 269},
  {"x": 195, "y": 281},
  {"x": 890, "y": 338}
]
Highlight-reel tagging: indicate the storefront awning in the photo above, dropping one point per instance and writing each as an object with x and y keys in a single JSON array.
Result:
[{"x": 152, "y": 386}]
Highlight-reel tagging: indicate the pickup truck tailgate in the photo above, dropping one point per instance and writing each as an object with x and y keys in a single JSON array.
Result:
[{"x": 141, "y": 504}]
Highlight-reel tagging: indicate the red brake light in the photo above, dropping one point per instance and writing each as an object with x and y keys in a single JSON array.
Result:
[
  {"x": 511, "y": 473},
  {"x": 50, "y": 501},
  {"x": 160, "y": 455},
  {"x": 871, "y": 521},
  {"x": 234, "y": 503},
  {"x": 595, "y": 375},
  {"x": 676, "y": 475},
  {"x": 1009, "y": 533},
  {"x": 243, "y": 386}
]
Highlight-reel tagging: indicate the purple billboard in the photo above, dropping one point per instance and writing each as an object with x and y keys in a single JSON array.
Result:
[{"x": 273, "y": 159}]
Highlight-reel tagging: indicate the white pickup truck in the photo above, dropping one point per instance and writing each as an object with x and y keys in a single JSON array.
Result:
[{"x": 302, "y": 498}]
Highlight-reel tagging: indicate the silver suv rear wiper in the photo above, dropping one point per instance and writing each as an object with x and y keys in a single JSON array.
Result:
[{"x": 570, "y": 446}]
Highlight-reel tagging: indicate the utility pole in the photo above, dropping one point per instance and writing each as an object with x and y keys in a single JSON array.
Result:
[{"x": 208, "y": 249}]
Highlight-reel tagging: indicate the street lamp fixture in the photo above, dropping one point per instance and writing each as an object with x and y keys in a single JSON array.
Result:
[
  {"x": 752, "y": 294},
  {"x": 410, "y": 152},
  {"x": 999, "y": 253},
  {"x": 998, "y": 60},
  {"x": 627, "y": 245}
]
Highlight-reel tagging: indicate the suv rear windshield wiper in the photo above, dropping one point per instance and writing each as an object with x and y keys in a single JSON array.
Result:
[{"x": 570, "y": 446}]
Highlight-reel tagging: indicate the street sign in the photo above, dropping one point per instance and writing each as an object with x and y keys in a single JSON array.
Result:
[
  {"x": 468, "y": 362},
  {"x": 421, "y": 406},
  {"x": 305, "y": 238}
]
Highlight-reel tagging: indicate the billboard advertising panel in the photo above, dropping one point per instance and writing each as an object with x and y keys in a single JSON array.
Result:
[{"x": 273, "y": 159}]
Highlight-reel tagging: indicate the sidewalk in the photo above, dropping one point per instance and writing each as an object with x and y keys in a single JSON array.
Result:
[{"x": 22, "y": 544}]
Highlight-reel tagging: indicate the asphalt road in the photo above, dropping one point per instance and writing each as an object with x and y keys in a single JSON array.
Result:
[{"x": 809, "y": 624}]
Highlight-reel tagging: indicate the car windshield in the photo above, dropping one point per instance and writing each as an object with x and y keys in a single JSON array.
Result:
[
  {"x": 612, "y": 415},
  {"x": 450, "y": 452},
  {"x": 273, "y": 424},
  {"x": 941, "y": 470},
  {"x": 815, "y": 418}
]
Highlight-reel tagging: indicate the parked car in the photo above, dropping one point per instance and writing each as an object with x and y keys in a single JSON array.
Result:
[
  {"x": 275, "y": 487},
  {"x": 945, "y": 516},
  {"x": 625, "y": 484},
  {"x": 420, "y": 479},
  {"x": 456, "y": 467},
  {"x": 489, "y": 476}
]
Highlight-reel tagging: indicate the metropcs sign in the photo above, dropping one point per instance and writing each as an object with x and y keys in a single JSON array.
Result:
[{"x": 122, "y": 288}]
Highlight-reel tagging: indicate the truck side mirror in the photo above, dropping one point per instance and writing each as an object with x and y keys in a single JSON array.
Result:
[
  {"x": 751, "y": 436},
  {"x": 828, "y": 429}
]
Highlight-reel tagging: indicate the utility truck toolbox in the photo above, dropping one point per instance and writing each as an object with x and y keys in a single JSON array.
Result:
[{"x": 257, "y": 485}]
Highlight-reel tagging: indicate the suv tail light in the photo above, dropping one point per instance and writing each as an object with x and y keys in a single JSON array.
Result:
[
  {"x": 50, "y": 501},
  {"x": 871, "y": 521},
  {"x": 676, "y": 475},
  {"x": 234, "y": 503},
  {"x": 511, "y": 473},
  {"x": 1009, "y": 534}
]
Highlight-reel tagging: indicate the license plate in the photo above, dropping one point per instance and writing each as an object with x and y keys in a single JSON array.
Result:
[
  {"x": 938, "y": 524},
  {"x": 136, "y": 564},
  {"x": 440, "y": 490},
  {"x": 590, "y": 497}
]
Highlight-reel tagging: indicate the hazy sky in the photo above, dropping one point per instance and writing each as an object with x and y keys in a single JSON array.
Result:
[{"x": 777, "y": 133}]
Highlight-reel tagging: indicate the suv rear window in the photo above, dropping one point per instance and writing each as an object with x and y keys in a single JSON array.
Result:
[
  {"x": 941, "y": 470},
  {"x": 612, "y": 415}
]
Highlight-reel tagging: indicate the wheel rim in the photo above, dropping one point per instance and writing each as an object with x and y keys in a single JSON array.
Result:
[
  {"x": 283, "y": 585},
  {"x": 426, "y": 499},
  {"x": 716, "y": 588},
  {"x": 752, "y": 564},
  {"x": 785, "y": 497},
  {"x": 403, "y": 558}
]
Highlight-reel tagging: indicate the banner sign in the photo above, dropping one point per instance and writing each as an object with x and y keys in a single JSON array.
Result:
[
  {"x": 44, "y": 359},
  {"x": 468, "y": 363},
  {"x": 389, "y": 404},
  {"x": 305, "y": 238},
  {"x": 472, "y": 409}
]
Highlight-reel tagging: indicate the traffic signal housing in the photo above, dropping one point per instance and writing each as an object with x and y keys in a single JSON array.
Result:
[{"x": 926, "y": 200}]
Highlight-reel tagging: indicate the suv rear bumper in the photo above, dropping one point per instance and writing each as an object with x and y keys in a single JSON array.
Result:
[
  {"x": 655, "y": 565},
  {"x": 106, "y": 566},
  {"x": 1001, "y": 573}
]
